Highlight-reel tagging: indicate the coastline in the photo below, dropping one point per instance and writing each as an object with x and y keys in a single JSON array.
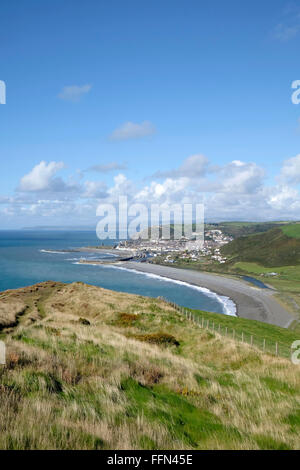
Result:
[
  {"x": 229, "y": 307},
  {"x": 88, "y": 249},
  {"x": 251, "y": 302}
]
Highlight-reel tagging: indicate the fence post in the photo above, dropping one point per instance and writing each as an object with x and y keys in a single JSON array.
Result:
[
  {"x": 226, "y": 329},
  {"x": 264, "y": 345},
  {"x": 276, "y": 349},
  {"x": 251, "y": 340},
  {"x": 242, "y": 336},
  {"x": 213, "y": 326},
  {"x": 233, "y": 334},
  {"x": 202, "y": 322},
  {"x": 219, "y": 328}
]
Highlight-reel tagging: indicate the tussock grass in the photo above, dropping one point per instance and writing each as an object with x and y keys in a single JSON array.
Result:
[
  {"x": 158, "y": 338},
  {"x": 70, "y": 385}
]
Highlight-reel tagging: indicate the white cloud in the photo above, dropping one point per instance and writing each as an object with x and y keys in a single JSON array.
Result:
[
  {"x": 171, "y": 190},
  {"x": 131, "y": 130},
  {"x": 74, "y": 92},
  {"x": 40, "y": 178},
  {"x": 4, "y": 199},
  {"x": 94, "y": 189},
  {"x": 242, "y": 178},
  {"x": 236, "y": 190},
  {"x": 289, "y": 26},
  {"x": 122, "y": 187},
  {"x": 192, "y": 167},
  {"x": 290, "y": 172},
  {"x": 284, "y": 198}
]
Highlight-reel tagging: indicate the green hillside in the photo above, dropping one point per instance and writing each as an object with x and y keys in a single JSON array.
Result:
[
  {"x": 88, "y": 368},
  {"x": 276, "y": 247},
  {"x": 292, "y": 230},
  {"x": 242, "y": 229}
]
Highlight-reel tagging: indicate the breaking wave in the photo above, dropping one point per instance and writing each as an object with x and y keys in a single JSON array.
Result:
[{"x": 229, "y": 307}]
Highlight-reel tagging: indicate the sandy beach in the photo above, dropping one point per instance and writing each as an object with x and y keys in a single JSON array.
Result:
[{"x": 252, "y": 302}]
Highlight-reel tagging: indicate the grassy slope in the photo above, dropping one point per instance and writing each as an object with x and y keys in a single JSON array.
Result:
[
  {"x": 277, "y": 250},
  {"x": 272, "y": 248},
  {"x": 292, "y": 230},
  {"x": 234, "y": 229},
  {"x": 259, "y": 331},
  {"x": 241, "y": 229},
  {"x": 107, "y": 385}
]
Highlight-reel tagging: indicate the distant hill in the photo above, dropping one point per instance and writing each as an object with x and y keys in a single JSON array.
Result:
[
  {"x": 241, "y": 229},
  {"x": 276, "y": 247},
  {"x": 232, "y": 229},
  {"x": 47, "y": 228}
]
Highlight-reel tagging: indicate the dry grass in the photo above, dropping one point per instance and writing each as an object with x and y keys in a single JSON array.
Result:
[{"x": 68, "y": 384}]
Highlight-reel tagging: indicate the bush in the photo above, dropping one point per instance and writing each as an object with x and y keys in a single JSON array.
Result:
[
  {"x": 127, "y": 319},
  {"x": 158, "y": 338}
]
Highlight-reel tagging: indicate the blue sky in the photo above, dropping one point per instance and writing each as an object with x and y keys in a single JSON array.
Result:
[{"x": 161, "y": 100}]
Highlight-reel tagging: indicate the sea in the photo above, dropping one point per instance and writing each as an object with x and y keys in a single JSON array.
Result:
[{"x": 28, "y": 257}]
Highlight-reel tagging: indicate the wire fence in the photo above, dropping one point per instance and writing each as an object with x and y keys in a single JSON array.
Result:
[{"x": 263, "y": 344}]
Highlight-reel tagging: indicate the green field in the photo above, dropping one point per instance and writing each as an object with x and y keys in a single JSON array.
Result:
[
  {"x": 259, "y": 331},
  {"x": 292, "y": 230},
  {"x": 290, "y": 273}
]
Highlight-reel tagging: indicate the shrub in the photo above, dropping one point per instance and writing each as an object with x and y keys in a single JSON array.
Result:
[
  {"x": 127, "y": 319},
  {"x": 158, "y": 338},
  {"x": 146, "y": 374}
]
